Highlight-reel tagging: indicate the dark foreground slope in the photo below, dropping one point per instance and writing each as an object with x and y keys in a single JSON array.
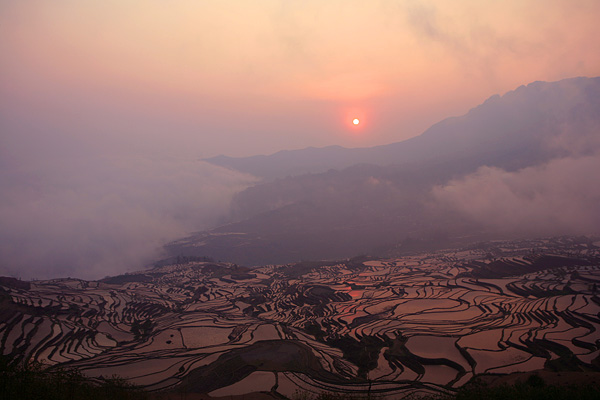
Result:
[
  {"x": 33, "y": 381},
  {"x": 381, "y": 196}
]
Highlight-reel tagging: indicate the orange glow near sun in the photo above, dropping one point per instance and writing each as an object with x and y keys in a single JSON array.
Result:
[{"x": 353, "y": 118}]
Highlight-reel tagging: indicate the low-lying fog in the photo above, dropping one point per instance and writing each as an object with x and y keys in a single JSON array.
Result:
[{"x": 97, "y": 215}]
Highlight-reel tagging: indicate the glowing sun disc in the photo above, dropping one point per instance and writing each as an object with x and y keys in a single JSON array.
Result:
[{"x": 356, "y": 121}]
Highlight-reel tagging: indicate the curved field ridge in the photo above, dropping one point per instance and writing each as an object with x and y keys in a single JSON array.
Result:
[{"x": 418, "y": 324}]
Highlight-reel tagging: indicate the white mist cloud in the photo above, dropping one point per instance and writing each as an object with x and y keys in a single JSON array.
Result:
[
  {"x": 94, "y": 216},
  {"x": 559, "y": 197}
]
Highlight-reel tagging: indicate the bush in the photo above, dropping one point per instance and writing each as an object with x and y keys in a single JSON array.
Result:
[
  {"x": 31, "y": 381},
  {"x": 533, "y": 389}
]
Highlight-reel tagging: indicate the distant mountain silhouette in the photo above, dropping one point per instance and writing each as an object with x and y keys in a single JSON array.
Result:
[
  {"x": 510, "y": 130},
  {"x": 334, "y": 202}
]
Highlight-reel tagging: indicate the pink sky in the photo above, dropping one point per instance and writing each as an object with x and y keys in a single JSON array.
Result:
[
  {"x": 106, "y": 105},
  {"x": 251, "y": 77}
]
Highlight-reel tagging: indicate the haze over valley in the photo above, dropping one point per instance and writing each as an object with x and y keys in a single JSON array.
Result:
[
  {"x": 276, "y": 199},
  {"x": 385, "y": 276},
  {"x": 519, "y": 165},
  {"x": 107, "y": 108}
]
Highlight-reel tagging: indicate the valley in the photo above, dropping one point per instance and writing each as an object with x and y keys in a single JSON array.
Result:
[{"x": 418, "y": 324}]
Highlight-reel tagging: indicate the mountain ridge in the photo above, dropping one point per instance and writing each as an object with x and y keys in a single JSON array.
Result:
[
  {"x": 426, "y": 146},
  {"x": 368, "y": 207}
]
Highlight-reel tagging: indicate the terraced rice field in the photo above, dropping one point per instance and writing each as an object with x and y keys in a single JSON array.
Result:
[{"x": 419, "y": 324}]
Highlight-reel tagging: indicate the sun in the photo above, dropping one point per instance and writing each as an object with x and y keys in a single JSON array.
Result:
[{"x": 356, "y": 121}]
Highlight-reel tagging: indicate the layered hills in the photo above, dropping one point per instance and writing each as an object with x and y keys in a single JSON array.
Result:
[{"x": 334, "y": 202}]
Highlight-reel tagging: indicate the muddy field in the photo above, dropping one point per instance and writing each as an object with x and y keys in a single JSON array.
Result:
[{"x": 419, "y": 324}]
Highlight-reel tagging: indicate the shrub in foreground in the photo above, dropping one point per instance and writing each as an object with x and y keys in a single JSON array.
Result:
[{"x": 31, "y": 381}]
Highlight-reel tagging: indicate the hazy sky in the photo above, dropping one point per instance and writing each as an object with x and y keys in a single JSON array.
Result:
[
  {"x": 249, "y": 77},
  {"x": 106, "y": 105}
]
